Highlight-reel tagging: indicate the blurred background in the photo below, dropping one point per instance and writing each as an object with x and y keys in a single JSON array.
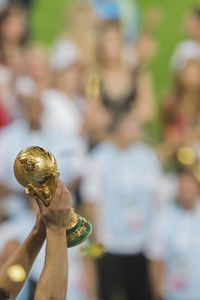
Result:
[{"x": 112, "y": 89}]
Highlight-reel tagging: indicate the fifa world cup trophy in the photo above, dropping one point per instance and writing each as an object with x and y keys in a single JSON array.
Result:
[{"x": 36, "y": 169}]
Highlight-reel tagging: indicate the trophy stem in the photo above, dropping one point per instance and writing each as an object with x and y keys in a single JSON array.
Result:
[
  {"x": 78, "y": 230},
  {"x": 73, "y": 221}
]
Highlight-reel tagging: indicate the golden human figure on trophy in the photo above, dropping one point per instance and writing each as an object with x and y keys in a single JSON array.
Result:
[{"x": 36, "y": 169}]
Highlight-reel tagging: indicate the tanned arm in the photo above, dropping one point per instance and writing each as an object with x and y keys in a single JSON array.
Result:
[
  {"x": 23, "y": 258},
  {"x": 53, "y": 281},
  {"x": 52, "y": 284}
]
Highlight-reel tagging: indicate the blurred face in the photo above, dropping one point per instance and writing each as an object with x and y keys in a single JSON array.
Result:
[
  {"x": 190, "y": 75},
  {"x": 32, "y": 112},
  {"x": 69, "y": 80},
  {"x": 192, "y": 25},
  {"x": 14, "y": 27},
  {"x": 37, "y": 64},
  {"x": 128, "y": 130},
  {"x": 188, "y": 192},
  {"x": 147, "y": 48},
  {"x": 119, "y": 84},
  {"x": 111, "y": 45}
]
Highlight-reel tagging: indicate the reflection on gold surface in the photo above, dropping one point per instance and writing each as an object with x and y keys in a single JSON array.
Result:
[
  {"x": 36, "y": 170},
  {"x": 16, "y": 273}
]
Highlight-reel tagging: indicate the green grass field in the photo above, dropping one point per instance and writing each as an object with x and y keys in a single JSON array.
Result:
[{"x": 46, "y": 22}]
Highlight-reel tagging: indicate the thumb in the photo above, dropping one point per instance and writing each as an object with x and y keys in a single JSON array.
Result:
[{"x": 33, "y": 193}]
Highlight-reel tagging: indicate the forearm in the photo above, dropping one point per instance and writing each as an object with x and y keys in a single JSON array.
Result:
[
  {"x": 156, "y": 274},
  {"x": 52, "y": 284},
  {"x": 24, "y": 258},
  {"x": 90, "y": 277}
]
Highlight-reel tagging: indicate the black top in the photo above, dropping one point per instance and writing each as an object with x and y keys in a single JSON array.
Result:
[{"x": 123, "y": 103}]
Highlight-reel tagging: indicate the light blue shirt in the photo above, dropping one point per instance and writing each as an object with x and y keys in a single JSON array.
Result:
[
  {"x": 123, "y": 185},
  {"x": 175, "y": 241}
]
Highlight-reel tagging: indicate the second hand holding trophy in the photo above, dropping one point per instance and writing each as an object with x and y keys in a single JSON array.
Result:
[{"x": 36, "y": 169}]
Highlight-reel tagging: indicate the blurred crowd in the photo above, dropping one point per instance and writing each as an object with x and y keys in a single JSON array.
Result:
[{"x": 88, "y": 98}]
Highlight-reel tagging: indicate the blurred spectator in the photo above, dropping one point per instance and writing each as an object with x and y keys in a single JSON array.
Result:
[
  {"x": 121, "y": 202},
  {"x": 38, "y": 67},
  {"x": 65, "y": 102},
  {"x": 121, "y": 86},
  {"x": 174, "y": 247},
  {"x": 190, "y": 48},
  {"x": 82, "y": 31},
  {"x": 13, "y": 29},
  {"x": 111, "y": 47},
  {"x": 182, "y": 108},
  {"x": 132, "y": 84}
]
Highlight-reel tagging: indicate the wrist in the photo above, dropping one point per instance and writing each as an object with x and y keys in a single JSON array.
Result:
[
  {"x": 39, "y": 227},
  {"x": 55, "y": 230}
]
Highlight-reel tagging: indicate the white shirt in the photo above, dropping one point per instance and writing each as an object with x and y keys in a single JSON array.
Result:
[
  {"x": 185, "y": 51},
  {"x": 175, "y": 240},
  {"x": 60, "y": 113},
  {"x": 123, "y": 185}
]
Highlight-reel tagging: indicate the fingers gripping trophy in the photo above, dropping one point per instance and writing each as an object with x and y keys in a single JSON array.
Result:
[{"x": 36, "y": 169}]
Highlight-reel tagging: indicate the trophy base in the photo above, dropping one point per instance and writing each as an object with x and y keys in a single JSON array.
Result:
[{"x": 79, "y": 233}]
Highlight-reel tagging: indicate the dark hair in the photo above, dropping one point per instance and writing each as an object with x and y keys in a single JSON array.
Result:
[
  {"x": 4, "y": 295},
  {"x": 13, "y": 8},
  {"x": 196, "y": 12}
]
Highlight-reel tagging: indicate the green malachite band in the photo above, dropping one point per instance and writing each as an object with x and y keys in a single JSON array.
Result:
[
  {"x": 78, "y": 224},
  {"x": 78, "y": 240}
]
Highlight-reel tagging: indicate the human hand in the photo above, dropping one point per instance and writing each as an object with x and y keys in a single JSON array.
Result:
[{"x": 58, "y": 214}]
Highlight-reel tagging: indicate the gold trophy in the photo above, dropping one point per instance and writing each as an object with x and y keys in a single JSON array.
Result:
[{"x": 36, "y": 169}]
